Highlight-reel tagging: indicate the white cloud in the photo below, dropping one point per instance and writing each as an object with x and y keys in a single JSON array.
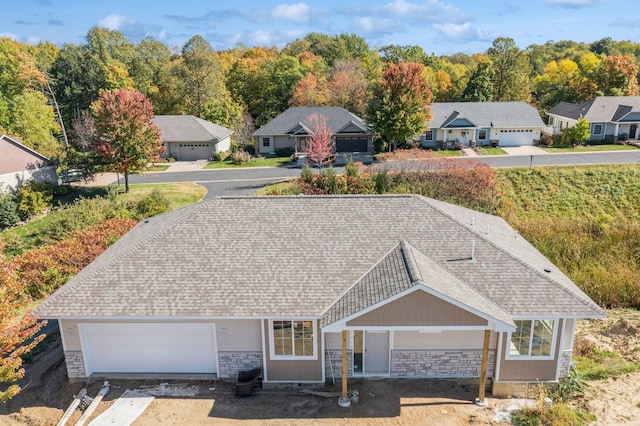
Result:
[
  {"x": 163, "y": 35},
  {"x": 570, "y": 3},
  {"x": 12, "y": 36},
  {"x": 462, "y": 32},
  {"x": 299, "y": 13},
  {"x": 116, "y": 22},
  {"x": 373, "y": 25}
]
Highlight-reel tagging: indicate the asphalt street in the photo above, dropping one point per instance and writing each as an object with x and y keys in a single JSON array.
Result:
[{"x": 246, "y": 181}]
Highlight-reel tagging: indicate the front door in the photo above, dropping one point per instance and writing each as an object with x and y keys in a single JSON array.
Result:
[
  {"x": 632, "y": 132},
  {"x": 376, "y": 352}
]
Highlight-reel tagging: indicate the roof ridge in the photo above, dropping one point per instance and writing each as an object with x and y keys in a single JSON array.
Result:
[
  {"x": 406, "y": 249},
  {"x": 516, "y": 258},
  {"x": 463, "y": 282}
]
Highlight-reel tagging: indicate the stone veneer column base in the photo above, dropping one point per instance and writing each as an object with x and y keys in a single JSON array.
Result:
[
  {"x": 230, "y": 363},
  {"x": 75, "y": 365},
  {"x": 333, "y": 359}
]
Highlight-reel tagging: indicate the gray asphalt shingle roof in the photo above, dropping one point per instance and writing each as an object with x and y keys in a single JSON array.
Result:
[
  {"x": 337, "y": 119},
  {"x": 188, "y": 128},
  {"x": 601, "y": 109},
  {"x": 297, "y": 256},
  {"x": 486, "y": 114}
]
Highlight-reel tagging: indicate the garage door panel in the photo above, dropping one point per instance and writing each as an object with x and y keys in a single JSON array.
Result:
[
  {"x": 351, "y": 144},
  {"x": 516, "y": 138},
  {"x": 149, "y": 348}
]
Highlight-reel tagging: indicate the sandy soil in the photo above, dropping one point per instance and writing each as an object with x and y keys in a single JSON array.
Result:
[{"x": 47, "y": 393}]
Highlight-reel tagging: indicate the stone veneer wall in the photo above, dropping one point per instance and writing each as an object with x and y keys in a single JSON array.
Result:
[
  {"x": 230, "y": 363},
  {"x": 565, "y": 362},
  {"x": 75, "y": 364},
  {"x": 335, "y": 358},
  {"x": 440, "y": 363}
]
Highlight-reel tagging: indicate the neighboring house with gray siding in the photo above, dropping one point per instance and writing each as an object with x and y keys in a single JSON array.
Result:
[
  {"x": 290, "y": 130},
  {"x": 419, "y": 288},
  {"x": 189, "y": 138},
  {"x": 20, "y": 164},
  {"x": 611, "y": 118},
  {"x": 482, "y": 124}
]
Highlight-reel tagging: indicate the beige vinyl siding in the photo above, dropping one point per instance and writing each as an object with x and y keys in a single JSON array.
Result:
[
  {"x": 418, "y": 309},
  {"x": 293, "y": 370},
  {"x": 527, "y": 369},
  {"x": 238, "y": 335},
  {"x": 406, "y": 340}
]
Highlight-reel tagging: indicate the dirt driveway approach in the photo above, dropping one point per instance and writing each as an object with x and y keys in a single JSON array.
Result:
[{"x": 47, "y": 394}]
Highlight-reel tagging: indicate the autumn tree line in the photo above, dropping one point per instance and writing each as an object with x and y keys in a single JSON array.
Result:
[{"x": 244, "y": 87}]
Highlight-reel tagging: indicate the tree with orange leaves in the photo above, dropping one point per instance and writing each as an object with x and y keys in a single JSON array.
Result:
[{"x": 17, "y": 333}]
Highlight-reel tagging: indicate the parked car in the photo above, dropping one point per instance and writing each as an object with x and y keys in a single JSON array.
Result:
[{"x": 71, "y": 175}]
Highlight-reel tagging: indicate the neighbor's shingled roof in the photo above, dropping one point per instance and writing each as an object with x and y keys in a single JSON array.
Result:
[
  {"x": 337, "y": 119},
  {"x": 601, "y": 109},
  {"x": 297, "y": 256},
  {"x": 188, "y": 128},
  {"x": 486, "y": 114}
]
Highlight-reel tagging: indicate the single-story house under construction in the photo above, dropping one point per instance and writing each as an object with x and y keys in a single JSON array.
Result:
[
  {"x": 190, "y": 138},
  {"x": 612, "y": 118},
  {"x": 20, "y": 164},
  {"x": 291, "y": 129},
  {"x": 482, "y": 124},
  {"x": 404, "y": 286}
]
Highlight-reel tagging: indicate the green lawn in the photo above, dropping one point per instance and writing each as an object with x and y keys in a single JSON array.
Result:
[
  {"x": 448, "y": 153},
  {"x": 491, "y": 151},
  {"x": 255, "y": 162},
  {"x": 588, "y": 148},
  {"x": 158, "y": 167}
]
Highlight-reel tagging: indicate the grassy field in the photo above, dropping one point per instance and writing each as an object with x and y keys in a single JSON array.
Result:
[
  {"x": 30, "y": 234},
  {"x": 588, "y": 148}
]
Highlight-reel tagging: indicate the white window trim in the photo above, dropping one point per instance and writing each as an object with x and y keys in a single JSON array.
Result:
[
  {"x": 595, "y": 126},
  {"x": 554, "y": 336},
  {"x": 293, "y": 357}
]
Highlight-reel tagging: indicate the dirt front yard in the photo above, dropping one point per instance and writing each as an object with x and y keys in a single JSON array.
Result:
[{"x": 47, "y": 393}]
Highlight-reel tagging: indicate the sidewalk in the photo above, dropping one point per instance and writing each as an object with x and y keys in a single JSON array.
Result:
[{"x": 513, "y": 151}]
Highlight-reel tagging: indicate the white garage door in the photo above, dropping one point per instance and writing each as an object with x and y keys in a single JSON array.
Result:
[
  {"x": 519, "y": 137},
  {"x": 149, "y": 348}
]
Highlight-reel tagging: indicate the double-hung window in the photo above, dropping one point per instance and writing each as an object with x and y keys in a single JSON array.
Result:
[
  {"x": 293, "y": 339},
  {"x": 532, "y": 338},
  {"x": 597, "y": 129}
]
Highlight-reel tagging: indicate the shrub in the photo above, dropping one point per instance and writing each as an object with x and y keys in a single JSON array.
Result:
[
  {"x": 284, "y": 152},
  {"x": 9, "y": 215},
  {"x": 83, "y": 213},
  {"x": 240, "y": 157},
  {"x": 306, "y": 175},
  {"x": 153, "y": 204},
  {"x": 221, "y": 155},
  {"x": 34, "y": 198},
  {"x": 40, "y": 271}
]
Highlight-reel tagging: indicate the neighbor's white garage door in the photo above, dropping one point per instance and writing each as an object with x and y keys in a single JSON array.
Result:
[
  {"x": 149, "y": 348},
  {"x": 519, "y": 137}
]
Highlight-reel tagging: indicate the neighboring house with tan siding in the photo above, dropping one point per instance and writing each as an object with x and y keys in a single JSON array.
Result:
[
  {"x": 419, "y": 288},
  {"x": 20, "y": 164}
]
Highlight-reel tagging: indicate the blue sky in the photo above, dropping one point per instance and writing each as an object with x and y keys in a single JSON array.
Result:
[{"x": 438, "y": 26}]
